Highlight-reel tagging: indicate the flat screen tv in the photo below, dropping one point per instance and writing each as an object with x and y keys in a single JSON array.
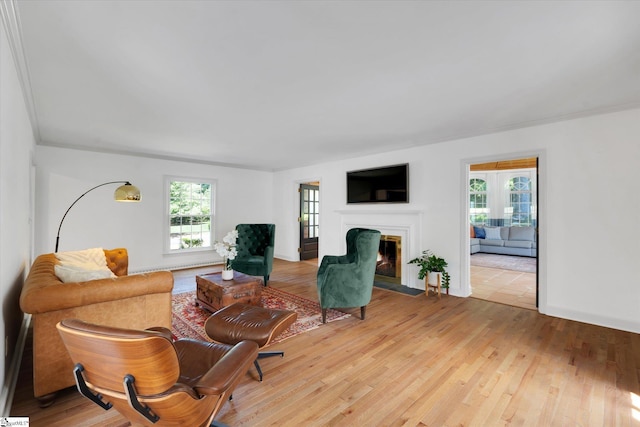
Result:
[{"x": 388, "y": 184}]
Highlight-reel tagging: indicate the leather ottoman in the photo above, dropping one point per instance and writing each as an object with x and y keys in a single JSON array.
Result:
[
  {"x": 213, "y": 293},
  {"x": 239, "y": 322}
]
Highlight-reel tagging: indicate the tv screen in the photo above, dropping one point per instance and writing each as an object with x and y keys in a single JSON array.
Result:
[{"x": 388, "y": 184}]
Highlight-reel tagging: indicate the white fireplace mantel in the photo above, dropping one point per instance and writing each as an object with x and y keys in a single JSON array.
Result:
[{"x": 404, "y": 223}]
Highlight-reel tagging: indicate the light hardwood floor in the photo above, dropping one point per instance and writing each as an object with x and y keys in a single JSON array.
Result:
[
  {"x": 418, "y": 361},
  {"x": 504, "y": 286}
]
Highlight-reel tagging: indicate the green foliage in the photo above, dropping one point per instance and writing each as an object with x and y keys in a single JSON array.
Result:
[
  {"x": 190, "y": 243},
  {"x": 190, "y": 203},
  {"x": 477, "y": 185},
  {"x": 190, "y": 199},
  {"x": 430, "y": 262},
  {"x": 446, "y": 279},
  {"x": 479, "y": 219}
]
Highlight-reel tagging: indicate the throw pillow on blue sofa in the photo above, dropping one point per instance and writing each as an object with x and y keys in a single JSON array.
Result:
[
  {"x": 492, "y": 233},
  {"x": 480, "y": 234}
]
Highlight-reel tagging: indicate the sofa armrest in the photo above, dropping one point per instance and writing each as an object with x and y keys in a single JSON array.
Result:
[{"x": 41, "y": 293}]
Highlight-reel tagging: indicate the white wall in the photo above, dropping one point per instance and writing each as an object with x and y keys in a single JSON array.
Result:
[
  {"x": 589, "y": 233},
  {"x": 16, "y": 147},
  {"x": 98, "y": 221}
]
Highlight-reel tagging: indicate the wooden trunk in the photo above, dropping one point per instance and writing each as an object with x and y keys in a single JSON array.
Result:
[{"x": 213, "y": 293}]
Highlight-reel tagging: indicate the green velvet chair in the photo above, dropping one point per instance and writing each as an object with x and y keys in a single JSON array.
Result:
[
  {"x": 255, "y": 250},
  {"x": 347, "y": 280}
]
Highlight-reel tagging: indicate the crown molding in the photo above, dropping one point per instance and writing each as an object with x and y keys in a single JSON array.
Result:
[{"x": 11, "y": 22}]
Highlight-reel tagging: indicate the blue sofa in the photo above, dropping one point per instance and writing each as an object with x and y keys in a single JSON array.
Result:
[{"x": 504, "y": 240}]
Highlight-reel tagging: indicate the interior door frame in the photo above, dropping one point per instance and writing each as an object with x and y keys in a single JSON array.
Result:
[
  {"x": 465, "y": 256},
  {"x": 311, "y": 187}
]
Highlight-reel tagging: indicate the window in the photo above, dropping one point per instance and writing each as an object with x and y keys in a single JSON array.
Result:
[
  {"x": 518, "y": 212},
  {"x": 478, "y": 211},
  {"x": 190, "y": 214}
]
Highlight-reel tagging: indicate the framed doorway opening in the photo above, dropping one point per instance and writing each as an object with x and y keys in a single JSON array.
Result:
[{"x": 503, "y": 194}]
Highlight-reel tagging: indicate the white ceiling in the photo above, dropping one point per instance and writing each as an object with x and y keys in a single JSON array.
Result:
[{"x": 278, "y": 84}]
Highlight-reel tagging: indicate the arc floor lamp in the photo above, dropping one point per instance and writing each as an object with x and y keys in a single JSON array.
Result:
[{"x": 125, "y": 193}]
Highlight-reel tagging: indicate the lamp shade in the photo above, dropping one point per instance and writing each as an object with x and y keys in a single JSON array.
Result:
[{"x": 127, "y": 193}]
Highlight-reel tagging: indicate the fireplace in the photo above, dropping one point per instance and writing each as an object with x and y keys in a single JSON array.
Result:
[
  {"x": 402, "y": 224},
  {"x": 389, "y": 265}
]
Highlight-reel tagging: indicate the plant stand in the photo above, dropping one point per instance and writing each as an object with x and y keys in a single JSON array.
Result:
[{"x": 436, "y": 286}]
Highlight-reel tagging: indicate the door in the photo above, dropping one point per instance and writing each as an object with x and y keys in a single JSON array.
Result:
[{"x": 309, "y": 220}]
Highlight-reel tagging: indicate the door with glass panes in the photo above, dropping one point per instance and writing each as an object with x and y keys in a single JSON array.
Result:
[{"x": 309, "y": 218}]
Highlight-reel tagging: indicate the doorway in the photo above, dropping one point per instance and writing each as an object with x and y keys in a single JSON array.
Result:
[
  {"x": 309, "y": 220},
  {"x": 503, "y": 195}
]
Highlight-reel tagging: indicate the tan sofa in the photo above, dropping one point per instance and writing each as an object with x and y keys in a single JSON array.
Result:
[{"x": 138, "y": 301}]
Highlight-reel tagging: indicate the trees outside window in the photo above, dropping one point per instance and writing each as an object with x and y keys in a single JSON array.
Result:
[
  {"x": 518, "y": 211},
  {"x": 190, "y": 215},
  {"x": 478, "y": 209}
]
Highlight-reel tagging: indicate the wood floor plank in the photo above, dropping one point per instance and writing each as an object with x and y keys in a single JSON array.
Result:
[{"x": 414, "y": 361}]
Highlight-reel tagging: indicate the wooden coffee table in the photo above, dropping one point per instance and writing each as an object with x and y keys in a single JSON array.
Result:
[{"x": 213, "y": 293}]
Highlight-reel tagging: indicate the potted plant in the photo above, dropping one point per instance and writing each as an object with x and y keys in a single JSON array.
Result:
[
  {"x": 228, "y": 251},
  {"x": 432, "y": 266}
]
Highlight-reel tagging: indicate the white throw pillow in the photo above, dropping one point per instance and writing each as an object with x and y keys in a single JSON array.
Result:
[
  {"x": 492, "y": 233},
  {"x": 82, "y": 266},
  {"x": 77, "y": 273},
  {"x": 93, "y": 256}
]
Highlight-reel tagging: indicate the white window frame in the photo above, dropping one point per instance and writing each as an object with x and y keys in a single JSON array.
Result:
[
  {"x": 479, "y": 211},
  {"x": 167, "y": 217},
  {"x": 508, "y": 212}
]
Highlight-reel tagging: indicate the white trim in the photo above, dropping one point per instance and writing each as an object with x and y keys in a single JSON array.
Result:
[
  {"x": 581, "y": 316},
  {"x": 9, "y": 387},
  {"x": 11, "y": 20},
  {"x": 541, "y": 183}
]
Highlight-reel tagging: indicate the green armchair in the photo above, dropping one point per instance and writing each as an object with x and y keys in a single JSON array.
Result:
[
  {"x": 255, "y": 250},
  {"x": 347, "y": 280}
]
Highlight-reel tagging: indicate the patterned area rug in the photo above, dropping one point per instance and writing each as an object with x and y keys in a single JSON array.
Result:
[
  {"x": 188, "y": 320},
  {"x": 505, "y": 262}
]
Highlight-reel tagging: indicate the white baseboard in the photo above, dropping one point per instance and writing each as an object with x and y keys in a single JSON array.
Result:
[
  {"x": 11, "y": 378},
  {"x": 607, "y": 322}
]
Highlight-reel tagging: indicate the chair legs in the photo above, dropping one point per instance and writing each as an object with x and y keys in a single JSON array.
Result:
[
  {"x": 262, "y": 355},
  {"x": 363, "y": 309}
]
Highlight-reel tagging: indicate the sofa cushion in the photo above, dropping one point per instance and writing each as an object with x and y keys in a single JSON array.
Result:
[
  {"x": 518, "y": 244},
  {"x": 479, "y": 232},
  {"x": 522, "y": 233},
  {"x": 492, "y": 233},
  {"x": 488, "y": 242},
  {"x": 504, "y": 233},
  {"x": 472, "y": 231}
]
